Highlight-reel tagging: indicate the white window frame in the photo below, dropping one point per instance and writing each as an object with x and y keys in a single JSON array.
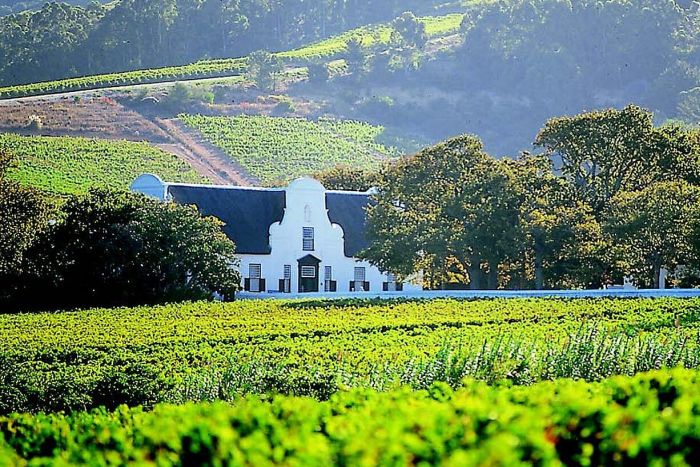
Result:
[
  {"x": 360, "y": 277},
  {"x": 308, "y": 238},
  {"x": 327, "y": 278},
  {"x": 308, "y": 272},
  {"x": 288, "y": 271}
]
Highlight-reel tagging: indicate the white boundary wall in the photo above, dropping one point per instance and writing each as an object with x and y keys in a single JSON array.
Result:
[{"x": 485, "y": 294}]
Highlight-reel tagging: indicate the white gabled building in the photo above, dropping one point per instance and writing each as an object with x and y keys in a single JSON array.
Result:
[{"x": 298, "y": 239}]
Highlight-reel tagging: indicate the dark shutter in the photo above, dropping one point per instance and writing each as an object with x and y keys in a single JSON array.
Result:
[
  {"x": 246, "y": 284},
  {"x": 262, "y": 285},
  {"x": 366, "y": 286},
  {"x": 399, "y": 286}
]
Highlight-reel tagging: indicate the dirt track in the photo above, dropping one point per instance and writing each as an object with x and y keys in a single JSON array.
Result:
[
  {"x": 205, "y": 158},
  {"x": 104, "y": 118}
]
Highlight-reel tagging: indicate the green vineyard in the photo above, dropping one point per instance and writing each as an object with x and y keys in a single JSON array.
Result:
[
  {"x": 209, "y": 351},
  {"x": 275, "y": 149},
  {"x": 327, "y": 49},
  {"x": 355, "y": 383},
  {"x": 66, "y": 165},
  {"x": 648, "y": 419}
]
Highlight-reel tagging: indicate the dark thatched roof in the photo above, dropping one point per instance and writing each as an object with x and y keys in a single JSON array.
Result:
[
  {"x": 248, "y": 214},
  {"x": 348, "y": 211}
]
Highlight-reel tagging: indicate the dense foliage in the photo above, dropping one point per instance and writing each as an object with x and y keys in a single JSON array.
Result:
[
  {"x": 276, "y": 149},
  {"x": 623, "y": 201},
  {"x": 24, "y": 212},
  {"x": 317, "y": 52},
  {"x": 117, "y": 248},
  {"x": 648, "y": 419},
  {"x": 61, "y": 40},
  {"x": 348, "y": 178},
  {"x": 211, "y": 351},
  {"x": 65, "y": 165}
]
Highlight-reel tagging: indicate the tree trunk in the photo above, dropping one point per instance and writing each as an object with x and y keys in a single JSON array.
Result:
[
  {"x": 493, "y": 276},
  {"x": 656, "y": 277},
  {"x": 474, "y": 273},
  {"x": 539, "y": 273}
]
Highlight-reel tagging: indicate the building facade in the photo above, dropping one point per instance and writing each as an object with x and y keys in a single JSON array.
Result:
[{"x": 298, "y": 239}]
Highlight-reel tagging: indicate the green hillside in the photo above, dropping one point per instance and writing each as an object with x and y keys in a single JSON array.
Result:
[
  {"x": 278, "y": 148},
  {"x": 65, "y": 165},
  {"x": 380, "y": 34}
]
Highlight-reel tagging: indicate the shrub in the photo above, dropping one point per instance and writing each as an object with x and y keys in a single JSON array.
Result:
[
  {"x": 117, "y": 248},
  {"x": 648, "y": 419},
  {"x": 34, "y": 123}
]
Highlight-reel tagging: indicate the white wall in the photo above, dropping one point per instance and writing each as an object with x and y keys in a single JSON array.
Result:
[
  {"x": 306, "y": 207},
  {"x": 150, "y": 185}
]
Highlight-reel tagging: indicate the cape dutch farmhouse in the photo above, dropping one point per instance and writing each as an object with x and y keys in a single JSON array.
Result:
[{"x": 298, "y": 239}]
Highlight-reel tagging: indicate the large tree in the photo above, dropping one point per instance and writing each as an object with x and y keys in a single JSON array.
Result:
[
  {"x": 563, "y": 242},
  {"x": 653, "y": 228},
  {"x": 450, "y": 211},
  {"x": 606, "y": 152},
  {"x": 118, "y": 248},
  {"x": 24, "y": 213}
]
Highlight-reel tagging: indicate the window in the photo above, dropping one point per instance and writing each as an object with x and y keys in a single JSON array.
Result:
[
  {"x": 391, "y": 277},
  {"x": 308, "y": 272},
  {"x": 308, "y": 236},
  {"x": 255, "y": 278},
  {"x": 287, "y": 271},
  {"x": 328, "y": 284},
  {"x": 359, "y": 274}
]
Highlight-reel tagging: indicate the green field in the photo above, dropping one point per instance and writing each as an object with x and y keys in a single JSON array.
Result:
[
  {"x": 326, "y": 49},
  {"x": 356, "y": 382},
  {"x": 277, "y": 149},
  {"x": 66, "y": 165}
]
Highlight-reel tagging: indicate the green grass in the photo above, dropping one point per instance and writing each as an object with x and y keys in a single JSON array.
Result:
[
  {"x": 278, "y": 149},
  {"x": 327, "y": 49},
  {"x": 66, "y": 165}
]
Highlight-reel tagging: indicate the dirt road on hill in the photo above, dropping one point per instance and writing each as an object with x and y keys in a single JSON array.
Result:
[
  {"x": 102, "y": 117},
  {"x": 204, "y": 157}
]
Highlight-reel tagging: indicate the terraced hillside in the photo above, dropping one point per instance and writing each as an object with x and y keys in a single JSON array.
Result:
[
  {"x": 66, "y": 165},
  {"x": 275, "y": 149},
  {"x": 327, "y": 49}
]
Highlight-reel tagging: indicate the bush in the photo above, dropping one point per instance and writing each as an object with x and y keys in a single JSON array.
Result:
[
  {"x": 117, "y": 248},
  {"x": 284, "y": 106},
  {"x": 647, "y": 419},
  {"x": 34, "y": 123},
  {"x": 379, "y": 107}
]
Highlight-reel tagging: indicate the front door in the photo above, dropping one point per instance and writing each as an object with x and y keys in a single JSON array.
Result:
[{"x": 308, "y": 274}]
